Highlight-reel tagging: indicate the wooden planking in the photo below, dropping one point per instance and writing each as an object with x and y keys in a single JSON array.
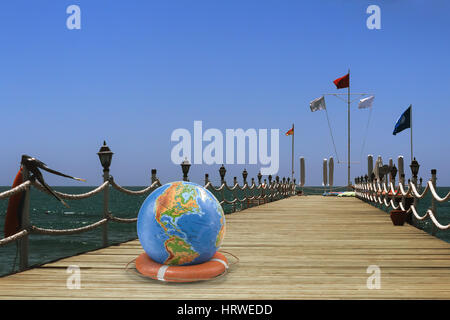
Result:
[{"x": 299, "y": 248}]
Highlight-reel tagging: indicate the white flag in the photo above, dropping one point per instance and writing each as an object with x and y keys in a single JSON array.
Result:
[
  {"x": 317, "y": 104},
  {"x": 366, "y": 102}
]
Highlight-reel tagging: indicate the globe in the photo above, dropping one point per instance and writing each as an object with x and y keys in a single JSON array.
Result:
[{"x": 181, "y": 223}]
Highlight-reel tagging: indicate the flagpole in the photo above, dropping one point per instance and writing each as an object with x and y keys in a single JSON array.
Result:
[
  {"x": 293, "y": 133},
  {"x": 348, "y": 125},
  {"x": 411, "y": 133}
]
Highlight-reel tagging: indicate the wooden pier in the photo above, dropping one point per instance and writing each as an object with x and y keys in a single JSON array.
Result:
[{"x": 309, "y": 247}]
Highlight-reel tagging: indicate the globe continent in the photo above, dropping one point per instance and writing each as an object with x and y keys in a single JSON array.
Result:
[{"x": 181, "y": 223}]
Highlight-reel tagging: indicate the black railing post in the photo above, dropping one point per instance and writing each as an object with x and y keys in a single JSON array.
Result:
[
  {"x": 154, "y": 178},
  {"x": 185, "y": 165},
  {"x": 433, "y": 201},
  {"x": 244, "y": 176},
  {"x": 105, "y": 156},
  {"x": 222, "y": 172}
]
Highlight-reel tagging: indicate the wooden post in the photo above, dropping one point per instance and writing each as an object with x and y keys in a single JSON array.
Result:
[
  {"x": 369, "y": 165},
  {"x": 25, "y": 223}
]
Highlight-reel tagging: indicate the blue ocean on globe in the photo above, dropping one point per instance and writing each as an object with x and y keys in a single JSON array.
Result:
[{"x": 181, "y": 223}]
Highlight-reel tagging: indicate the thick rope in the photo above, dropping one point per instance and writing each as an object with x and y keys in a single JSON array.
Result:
[
  {"x": 14, "y": 237},
  {"x": 38, "y": 230},
  {"x": 73, "y": 196},
  {"x": 121, "y": 220},
  {"x": 435, "y": 195},
  {"x": 366, "y": 194},
  {"x": 20, "y": 188},
  {"x": 416, "y": 194},
  {"x": 431, "y": 215},
  {"x": 154, "y": 185}
]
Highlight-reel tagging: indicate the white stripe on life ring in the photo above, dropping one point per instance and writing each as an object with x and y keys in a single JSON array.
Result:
[
  {"x": 161, "y": 272},
  {"x": 221, "y": 261}
]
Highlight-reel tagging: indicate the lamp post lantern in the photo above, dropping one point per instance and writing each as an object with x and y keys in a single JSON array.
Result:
[
  {"x": 105, "y": 156},
  {"x": 222, "y": 172},
  {"x": 185, "y": 165},
  {"x": 414, "y": 170},
  {"x": 244, "y": 176}
]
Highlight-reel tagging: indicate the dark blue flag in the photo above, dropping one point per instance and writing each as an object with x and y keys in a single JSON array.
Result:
[{"x": 404, "y": 122}]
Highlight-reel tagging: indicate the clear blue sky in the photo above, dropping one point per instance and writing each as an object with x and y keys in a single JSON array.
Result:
[{"x": 137, "y": 70}]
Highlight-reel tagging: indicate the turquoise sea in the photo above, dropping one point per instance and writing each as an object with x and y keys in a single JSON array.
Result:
[{"x": 47, "y": 212}]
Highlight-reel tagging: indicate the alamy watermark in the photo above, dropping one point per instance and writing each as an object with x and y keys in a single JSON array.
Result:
[
  {"x": 235, "y": 151},
  {"x": 74, "y": 280},
  {"x": 374, "y": 280},
  {"x": 74, "y": 20},
  {"x": 374, "y": 20}
]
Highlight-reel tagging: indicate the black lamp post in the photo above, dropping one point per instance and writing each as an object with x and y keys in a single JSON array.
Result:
[
  {"x": 270, "y": 179},
  {"x": 393, "y": 174},
  {"x": 185, "y": 165},
  {"x": 222, "y": 172},
  {"x": 244, "y": 176},
  {"x": 259, "y": 177},
  {"x": 414, "y": 169},
  {"x": 105, "y": 156},
  {"x": 372, "y": 177}
]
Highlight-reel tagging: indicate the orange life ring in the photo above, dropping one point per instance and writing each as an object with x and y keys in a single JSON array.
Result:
[{"x": 203, "y": 271}]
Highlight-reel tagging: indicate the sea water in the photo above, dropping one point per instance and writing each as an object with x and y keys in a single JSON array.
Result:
[{"x": 47, "y": 212}]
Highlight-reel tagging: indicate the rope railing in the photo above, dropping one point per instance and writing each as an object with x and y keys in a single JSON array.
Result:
[
  {"x": 72, "y": 196},
  {"x": 266, "y": 192},
  {"x": 14, "y": 237},
  {"x": 151, "y": 187},
  {"x": 38, "y": 230},
  {"x": 251, "y": 194},
  {"x": 396, "y": 198},
  {"x": 20, "y": 188}
]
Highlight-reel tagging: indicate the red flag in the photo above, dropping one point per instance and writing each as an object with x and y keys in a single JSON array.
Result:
[
  {"x": 342, "y": 82},
  {"x": 290, "y": 132}
]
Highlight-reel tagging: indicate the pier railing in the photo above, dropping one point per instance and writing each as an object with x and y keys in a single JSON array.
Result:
[
  {"x": 377, "y": 190},
  {"x": 250, "y": 195}
]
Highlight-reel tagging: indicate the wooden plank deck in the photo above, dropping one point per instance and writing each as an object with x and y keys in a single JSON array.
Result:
[{"x": 299, "y": 248}]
